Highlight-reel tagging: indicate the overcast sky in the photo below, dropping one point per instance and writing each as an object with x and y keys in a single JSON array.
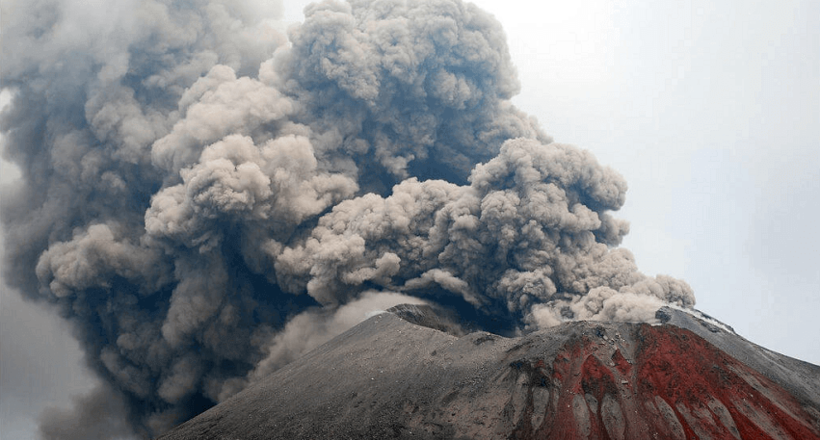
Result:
[{"x": 710, "y": 110}]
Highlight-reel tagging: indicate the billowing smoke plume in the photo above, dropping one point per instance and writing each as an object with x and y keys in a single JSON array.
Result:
[{"x": 207, "y": 198}]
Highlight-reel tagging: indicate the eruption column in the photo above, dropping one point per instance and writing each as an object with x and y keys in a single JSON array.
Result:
[{"x": 205, "y": 198}]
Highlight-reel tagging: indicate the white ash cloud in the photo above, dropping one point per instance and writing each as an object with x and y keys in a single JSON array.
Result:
[
  {"x": 313, "y": 328},
  {"x": 206, "y": 198}
]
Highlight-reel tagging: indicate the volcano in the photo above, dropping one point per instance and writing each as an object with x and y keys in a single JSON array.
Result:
[{"x": 411, "y": 373}]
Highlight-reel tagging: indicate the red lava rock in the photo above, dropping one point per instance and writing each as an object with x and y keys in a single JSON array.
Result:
[
  {"x": 706, "y": 378},
  {"x": 623, "y": 365}
]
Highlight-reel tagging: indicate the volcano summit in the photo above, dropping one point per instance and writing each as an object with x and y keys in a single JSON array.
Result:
[{"x": 388, "y": 378}]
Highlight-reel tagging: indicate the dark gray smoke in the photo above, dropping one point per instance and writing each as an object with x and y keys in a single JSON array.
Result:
[{"x": 206, "y": 198}]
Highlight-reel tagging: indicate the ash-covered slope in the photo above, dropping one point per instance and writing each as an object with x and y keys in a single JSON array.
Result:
[{"x": 390, "y": 378}]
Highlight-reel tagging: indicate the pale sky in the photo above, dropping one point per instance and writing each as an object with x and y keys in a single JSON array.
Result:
[{"x": 710, "y": 110}]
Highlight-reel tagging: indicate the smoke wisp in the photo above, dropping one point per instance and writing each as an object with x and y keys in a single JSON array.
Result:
[{"x": 207, "y": 197}]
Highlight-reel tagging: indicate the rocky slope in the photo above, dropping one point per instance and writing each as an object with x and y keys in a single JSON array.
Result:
[{"x": 409, "y": 374}]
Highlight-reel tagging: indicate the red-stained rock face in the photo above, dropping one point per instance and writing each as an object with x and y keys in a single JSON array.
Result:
[
  {"x": 671, "y": 384},
  {"x": 714, "y": 395},
  {"x": 388, "y": 378}
]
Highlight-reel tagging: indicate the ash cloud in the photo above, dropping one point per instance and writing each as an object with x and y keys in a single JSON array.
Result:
[
  {"x": 97, "y": 415},
  {"x": 206, "y": 198}
]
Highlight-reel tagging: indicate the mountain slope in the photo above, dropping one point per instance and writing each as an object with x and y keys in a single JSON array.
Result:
[{"x": 390, "y": 378}]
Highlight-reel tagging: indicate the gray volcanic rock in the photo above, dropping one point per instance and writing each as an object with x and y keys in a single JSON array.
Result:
[
  {"x": 390, "y": 378},
  {"x": 430, "y": 316}
]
